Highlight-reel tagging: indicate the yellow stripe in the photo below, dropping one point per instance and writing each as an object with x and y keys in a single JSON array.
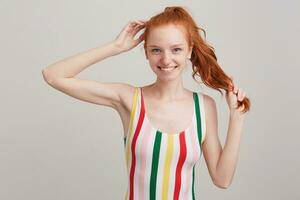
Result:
[
  {"x": 168, "y": 160},
  {"x": 128, "y": 136},
  {"x": 126, "y": 196}
]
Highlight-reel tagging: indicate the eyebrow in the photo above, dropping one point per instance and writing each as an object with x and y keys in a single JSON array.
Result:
[{"x": 171, "y": 46}]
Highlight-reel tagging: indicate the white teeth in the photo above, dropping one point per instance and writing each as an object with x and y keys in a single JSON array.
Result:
[{"x": 167, "y": 68}]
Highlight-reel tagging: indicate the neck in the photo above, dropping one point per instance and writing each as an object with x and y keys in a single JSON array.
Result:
[{"x": 168, "y": 90}]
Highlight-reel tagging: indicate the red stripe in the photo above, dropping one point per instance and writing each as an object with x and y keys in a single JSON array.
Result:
[
  {"x": 182, "y": 157},
  {"x": 134, "y": 139}
]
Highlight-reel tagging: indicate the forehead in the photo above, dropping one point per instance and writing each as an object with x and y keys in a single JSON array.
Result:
[{"x": 167, "y": 35}]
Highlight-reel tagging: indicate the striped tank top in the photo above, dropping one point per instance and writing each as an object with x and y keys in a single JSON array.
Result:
[{"x": 161, "y": 166}]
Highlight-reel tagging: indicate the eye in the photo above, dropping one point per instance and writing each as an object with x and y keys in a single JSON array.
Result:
[
  {"x": 177, "y": 50},
  {"x": 155, "y": 50}
]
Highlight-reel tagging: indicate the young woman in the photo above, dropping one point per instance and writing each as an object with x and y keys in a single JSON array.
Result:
[{"x": 166, "y": 126}]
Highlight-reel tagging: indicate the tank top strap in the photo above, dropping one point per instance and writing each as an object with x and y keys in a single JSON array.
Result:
[
  {"x": 131, "y": 127},
  {"x": 134, "y": 109},
  {"x": 200, "y": 117}
]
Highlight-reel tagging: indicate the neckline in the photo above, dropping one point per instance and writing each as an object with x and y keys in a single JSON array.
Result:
[{"x": 164, "y": 132}]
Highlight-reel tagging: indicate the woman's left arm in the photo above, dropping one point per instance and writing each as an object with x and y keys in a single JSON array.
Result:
[
  {"x": 222, "y": 163},
  {"x": 228, "y": 159}
]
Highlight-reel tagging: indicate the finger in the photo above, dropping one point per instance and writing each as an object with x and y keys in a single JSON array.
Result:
[
  {"x": 143, "y": 20},
  {"x": 137, "y": 25},
  {"x": 232, "y": 96},
  {"x": 244, "y": 95},
  {"x": 127, "y": 26},
  {"x": 131, "y": 25},
  {"x": 235, "y": 88},
  {"x": 229, "y": 93},
  {"x": 138, "y": 40},
  {"x": 240, "y": 94},
  {"x": 137, "y": 22},
  {"x": 134, "y": 27},
  {"x": 241, "y": 108},
  {"x": 140, "y": 21},
  {"x": 231, "y": 85},
  {"x": 137, "y": 29}
]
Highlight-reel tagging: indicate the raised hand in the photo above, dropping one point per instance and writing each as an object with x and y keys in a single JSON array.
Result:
[
  {"x": 233, "y": 96},
  {"x": 125, "y": 40}
]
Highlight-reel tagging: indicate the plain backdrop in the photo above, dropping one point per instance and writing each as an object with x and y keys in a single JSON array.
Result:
[{"x": 53, "y": 146}]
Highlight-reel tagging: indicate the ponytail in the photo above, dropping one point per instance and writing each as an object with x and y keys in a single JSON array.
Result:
[{"x": 205, "y": 65}]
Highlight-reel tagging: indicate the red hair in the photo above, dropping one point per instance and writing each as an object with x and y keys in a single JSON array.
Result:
[{"x": 203, "y": 59}]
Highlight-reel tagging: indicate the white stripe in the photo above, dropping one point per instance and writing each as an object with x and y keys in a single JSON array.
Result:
[
  {"x": 195, "y": 142},
  {"x": 203, "y": 119},
  {"x": 139, "y": 157},
  {"x": 149, "y": 158}
]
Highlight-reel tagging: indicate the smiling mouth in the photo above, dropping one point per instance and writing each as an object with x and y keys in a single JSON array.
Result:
[{"x": 167, "y": 68}]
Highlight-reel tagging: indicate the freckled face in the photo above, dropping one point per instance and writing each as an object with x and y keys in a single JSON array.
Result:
[{"x": 167, "y": 51}]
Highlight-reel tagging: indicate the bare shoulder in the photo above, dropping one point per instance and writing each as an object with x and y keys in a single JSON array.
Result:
[
  {"x": 209, "y": 105},
  {"x": 208, "y": 100},
  {"x": 210, "y": 108},
  {"x": 126, "y": 95}
]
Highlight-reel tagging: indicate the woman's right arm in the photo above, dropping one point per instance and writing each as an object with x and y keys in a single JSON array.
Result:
[{"x": 61, "y": 75}]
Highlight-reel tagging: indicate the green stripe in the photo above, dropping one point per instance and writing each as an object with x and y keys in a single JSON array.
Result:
[
  {"x": 199, "y": 130},
  {"x": 193, "y": 189},
  {"x": 155, "y": 156}
]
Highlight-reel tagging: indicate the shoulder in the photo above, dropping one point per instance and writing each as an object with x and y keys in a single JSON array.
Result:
[
  {"x": 126, "y": 89},
  {"x": 209, "y": 104},
  {"x": 126, "y": 94},
  {"x": 210, "y": 111},
  {"x": 208, "y": 100}
]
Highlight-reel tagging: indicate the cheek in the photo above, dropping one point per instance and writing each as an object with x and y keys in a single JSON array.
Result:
[
  {"x": 182, "y": 60},
  {"x": 153, "y": 61}
]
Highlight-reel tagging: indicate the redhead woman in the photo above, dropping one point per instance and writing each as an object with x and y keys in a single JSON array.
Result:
[{"x": 167, "y": 127}]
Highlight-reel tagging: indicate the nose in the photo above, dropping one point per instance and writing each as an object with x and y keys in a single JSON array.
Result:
[{"x": 166, "y": 58}]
